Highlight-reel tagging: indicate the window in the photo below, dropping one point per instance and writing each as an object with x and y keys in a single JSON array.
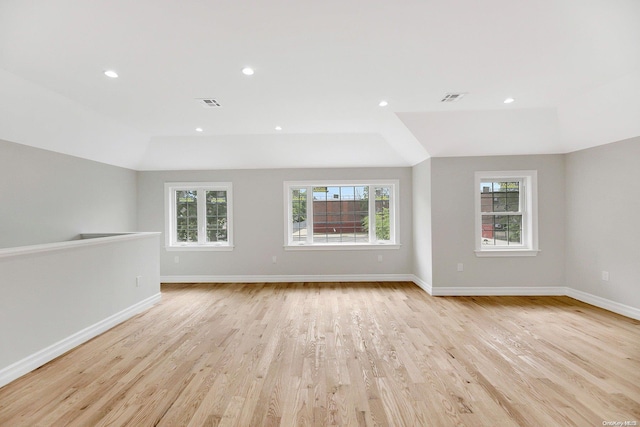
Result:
[
  {"x": 198, "y": 216},
  {"x": 345, "y": 215},
  {"x": 506, "y": 213}
]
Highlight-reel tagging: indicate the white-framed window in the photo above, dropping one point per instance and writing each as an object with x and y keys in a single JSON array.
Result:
[
  {"x": 506, "y": 213},
  {"x": 199, "y": 216},
  {"x": 341, "y": 214}
]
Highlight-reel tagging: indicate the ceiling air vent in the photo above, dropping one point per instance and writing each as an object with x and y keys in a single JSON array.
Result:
[
  {"x": 209, "y": 103},
  {"x": 453, "y": 97}
]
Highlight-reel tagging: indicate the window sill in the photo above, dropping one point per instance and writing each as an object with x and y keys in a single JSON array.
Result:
[
  {"x": 506, "y": 252},
  {"x": 199, "y": 248},
  {"x": 330, "y": 247}
]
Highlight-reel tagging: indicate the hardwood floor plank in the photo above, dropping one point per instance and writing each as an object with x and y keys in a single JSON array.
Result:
[{"x": 349, "y": 354}]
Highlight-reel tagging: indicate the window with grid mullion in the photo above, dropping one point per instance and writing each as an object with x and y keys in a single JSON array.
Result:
[
  {"x": 187, "y": 216},
  {"x": 216, "y": 216},
  {"x": 337, "y": 215},
  {"x": 299, "y": 218},
  {"x": 198, "y": 216},
  {"x": 504, "y": 220}
]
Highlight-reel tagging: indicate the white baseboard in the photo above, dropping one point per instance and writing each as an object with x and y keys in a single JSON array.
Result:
[
  {"x": 499, "y": 291},
  {"x": 607, "y": 304},
  {"x": 289, "y": 278},
  {"x": 47, "y": 354},
  {"x": 594, "y": 300},
  {"x": 423, "y": 284}
]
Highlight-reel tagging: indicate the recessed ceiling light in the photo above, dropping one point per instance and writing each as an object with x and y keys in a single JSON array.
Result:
[
  {"x": 111, "y": 73},
  {"x": 509, "y": 100},
  {"x": 278, "y": 127},
  {"x": 247, "y": 71},
  {"x": 383, "y": 103},
  {"x": 198, "y": 129}
]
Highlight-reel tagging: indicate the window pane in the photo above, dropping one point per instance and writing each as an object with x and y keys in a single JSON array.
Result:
[
  {"x": 320, "y": 207},
  {"x": 187, "y": 216},
  {"x": 338, "y": 214},
  {"x": 506, "y": 205},
  {"x": 501, "y": 230},
  {"x": 514, "y": 225},
  {"x": 499, "y": 201},
  {"x": 513, "y": 201},
  {"x": 320, "y": 193},
  {"x": 383, "y": 227},
  {"x": 512, "y": 196},
  {"x": 511, "y": 186},
  {"x": 216, "y": 211},
  {"x": 487, "y": 196},
  {"x": 361, "y": 213},
  {"x": 299, "y": 214},
  {"x": 499, "y": 196}
]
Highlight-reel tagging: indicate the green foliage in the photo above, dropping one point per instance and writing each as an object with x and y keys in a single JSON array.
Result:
[
  {"x": 508, "y": 227},
  {"x": 508, "y": 186},
  {"x": 514, "y": 233},
  {"x": 299, "y": 206},
  {"x": 187, "y": 215},
  {"x": 216, "y": 211},
  {"x": 383, "y": 231},
  {"x": 383, "y": 228}
]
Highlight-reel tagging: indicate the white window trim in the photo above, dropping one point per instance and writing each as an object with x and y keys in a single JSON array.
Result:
[
  {"x": 528, "y": 209},
  {"x": 170, "y": 214},
  {"x": 392, "y": 243}
]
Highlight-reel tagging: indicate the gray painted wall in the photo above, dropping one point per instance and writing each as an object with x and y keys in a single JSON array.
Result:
[
  {"x": 603, "y": 189},
  {"x": 452, "y": 224},
  {"x": 50, "y": 298},
  {"x": 586, "y": 199},
  {"x": 259, "y": 226},
  {"x": 48, "y": 197},
  {"x": 422, "y": 244}
]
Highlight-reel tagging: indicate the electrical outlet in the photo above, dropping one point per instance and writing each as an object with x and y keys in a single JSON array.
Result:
[
  {"x": 379, "y": 258},
  {"x": 274, "y": 259},
  {"x": 138, "y": 281},
  {"x": 605, "y": 276},
  {"x": 460, "y": 266},
  {"x": 176, "y": 259}
]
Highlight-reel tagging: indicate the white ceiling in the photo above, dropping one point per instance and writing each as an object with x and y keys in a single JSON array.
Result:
[{"x": 321, "y": 67}]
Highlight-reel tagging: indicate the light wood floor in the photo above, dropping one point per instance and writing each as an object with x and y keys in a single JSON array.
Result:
[{"x": 341, "y": 354}]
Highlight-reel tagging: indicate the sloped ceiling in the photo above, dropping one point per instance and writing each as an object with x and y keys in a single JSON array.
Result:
[{"x": 321, "y": 68}]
